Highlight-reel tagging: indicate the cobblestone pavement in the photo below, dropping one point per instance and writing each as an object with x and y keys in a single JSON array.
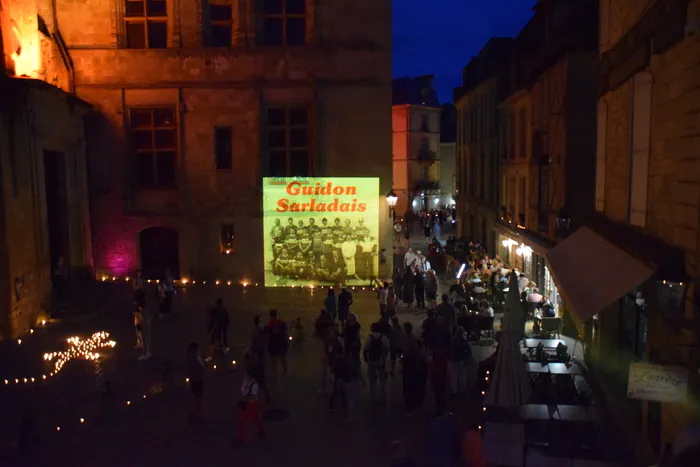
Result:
[{"x": 153, "y": 431}]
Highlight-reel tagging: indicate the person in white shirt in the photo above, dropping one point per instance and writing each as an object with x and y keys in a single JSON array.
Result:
[
  {"x": 383, "y": 297},
  {"x": 249, "y": 410},
  {"x": 485, "y": 309},
  {"x": 478, "y": 288},
  {"x": 535, "y": 296},
  {"x": 409, "y": 258},
  {"x": 523, "y": 283}
]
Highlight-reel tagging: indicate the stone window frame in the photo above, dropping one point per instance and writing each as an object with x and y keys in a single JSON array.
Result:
[
  {"x": 145, "y": 18},
  {"x": 154, "y": 150},
  {"x": 207, "y": 23},
  {"x": 288, "y": 127},
  {"x": 223, "y": 165},
  {"x": 118, "y": 25},
  {"x": 285, "y": 16}
]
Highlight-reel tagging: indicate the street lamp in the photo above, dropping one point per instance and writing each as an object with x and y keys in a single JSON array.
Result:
[{"x": 391, "y": 200}]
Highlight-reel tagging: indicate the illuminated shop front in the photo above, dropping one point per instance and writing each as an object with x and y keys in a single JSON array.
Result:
[{"x": 529, "y": 257}]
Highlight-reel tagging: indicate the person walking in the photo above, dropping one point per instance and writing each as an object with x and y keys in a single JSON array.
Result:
[
  {"x": 472, "y": 445},
  {"x": 257, "y": 339},
  {"x": 431, "y": 288},
  {"x": 331, "y": 304},
  {"x": 195, "y": 371},
  {"x": 222, "y": 323},
  {"x": 249, "y": 410},
  {"x": 375, "y": 351},
  {"x": 331, "y": 347},
  {"x": 397, "y": 343},
  {"x": 447, "y": 312},
  {"x": 344, "y": 302},
  {"x": 458, "y": 361},
  {"x": 255, "y": 366},
  {"x": 351, "y": 337},
  {"x": 397, "y": 283},
  {"x": 383, "y": 293},
  {"x": 353, "y": 383},
  {"x": 420, "y": 288},
  {"x": 438, "y": 374},
  {"x": 428, "y": 335},
  {"x": 391, "y": 302},
  {"x": 277, "y": 334},
  {"x": 169, "y": 284},
  {"x": 414, "y": 372},
  {"x": 408, "y": 284},
  {"x": 142, "y": 326},
  {"x": 339, "y": 371}
]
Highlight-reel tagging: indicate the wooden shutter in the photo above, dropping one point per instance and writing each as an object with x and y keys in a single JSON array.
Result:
[{"x": 641, "y": 142}]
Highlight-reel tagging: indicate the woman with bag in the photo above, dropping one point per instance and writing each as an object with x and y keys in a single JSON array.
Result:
[{"x": 249, "y": 411}]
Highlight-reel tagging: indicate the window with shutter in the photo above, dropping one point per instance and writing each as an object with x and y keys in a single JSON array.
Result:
[{"x": 641, "y": 141}]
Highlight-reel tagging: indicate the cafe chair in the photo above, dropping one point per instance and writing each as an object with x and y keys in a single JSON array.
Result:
[
  {"x": 551, "y": 326},
  {"x": 485, "y": 326}
]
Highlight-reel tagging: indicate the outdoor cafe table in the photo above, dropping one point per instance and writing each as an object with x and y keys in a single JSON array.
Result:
[
  {"x": 535, "y": 369},
  {"x": 537, "y": 411},
  {"x": 564, "y": 369},
  {"x": 547, "y": 343},
  {"x": 575, "y": 413}
]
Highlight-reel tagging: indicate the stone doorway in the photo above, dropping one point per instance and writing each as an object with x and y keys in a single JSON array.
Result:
[
  {"x": 159, "y": 251},
  {"x": 56, "y": 206}
]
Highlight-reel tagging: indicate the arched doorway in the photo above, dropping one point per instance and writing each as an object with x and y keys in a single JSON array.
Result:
[{"x": 159, "y": 251}]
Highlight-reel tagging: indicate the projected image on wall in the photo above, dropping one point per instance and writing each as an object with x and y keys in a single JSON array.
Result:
[{"x": 321, "y": 231}]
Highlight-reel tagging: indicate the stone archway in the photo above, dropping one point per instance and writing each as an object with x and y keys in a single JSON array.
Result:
[{"x": 160, "y": 250}]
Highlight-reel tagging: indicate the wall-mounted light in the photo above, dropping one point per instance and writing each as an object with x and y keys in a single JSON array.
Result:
[{"x": 391, "y": 200}]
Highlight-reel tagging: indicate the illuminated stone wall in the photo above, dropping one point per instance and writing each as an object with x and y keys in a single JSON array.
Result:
[
  {"x": 673, "y": 201},
  {"x": 36, "y": 117},
  {"x": 344, "y": 75}
]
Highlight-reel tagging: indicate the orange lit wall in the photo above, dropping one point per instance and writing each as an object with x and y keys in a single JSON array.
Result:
[{"x": 21, "y": 42}]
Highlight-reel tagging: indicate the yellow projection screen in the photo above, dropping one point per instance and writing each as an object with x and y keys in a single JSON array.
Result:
[{"x": 320, "y": 231}]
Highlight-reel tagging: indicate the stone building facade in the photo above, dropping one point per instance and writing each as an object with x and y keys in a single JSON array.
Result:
[
  {"x": 44, "y": 209},
  {"x": 648, "y": 186},
  {"x": 196, "y": 101},
  {"x": 484, "y": 85},
  {"x": 416, "y": 145},
  {"x": 549, "y": 127}
]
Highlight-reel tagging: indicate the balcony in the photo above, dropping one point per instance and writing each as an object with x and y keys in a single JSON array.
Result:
[{"x": 426, "y": 185}]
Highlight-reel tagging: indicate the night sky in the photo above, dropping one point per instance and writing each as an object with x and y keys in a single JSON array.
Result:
[{"x": 439, "y": 37}]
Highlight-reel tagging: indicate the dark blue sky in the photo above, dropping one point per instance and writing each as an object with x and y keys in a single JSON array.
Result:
[{"x": 439, "y": 37}]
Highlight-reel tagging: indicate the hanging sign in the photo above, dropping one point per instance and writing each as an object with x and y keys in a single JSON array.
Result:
[{"x": 657, "y": 383}]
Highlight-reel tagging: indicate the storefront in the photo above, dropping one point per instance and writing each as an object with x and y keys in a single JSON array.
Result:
[{"x": 528, "y": 256}]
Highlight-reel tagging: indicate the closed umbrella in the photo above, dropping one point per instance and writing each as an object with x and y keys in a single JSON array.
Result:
[{"x": 510, "y": 386}]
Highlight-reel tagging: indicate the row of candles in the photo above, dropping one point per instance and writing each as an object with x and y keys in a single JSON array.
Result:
[
  {"x": 133, "y": 401},
  {"x": 184, "y": 282}
]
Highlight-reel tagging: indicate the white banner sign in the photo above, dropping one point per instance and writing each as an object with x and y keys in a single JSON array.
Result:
[{"x": 657, "y": 383}]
